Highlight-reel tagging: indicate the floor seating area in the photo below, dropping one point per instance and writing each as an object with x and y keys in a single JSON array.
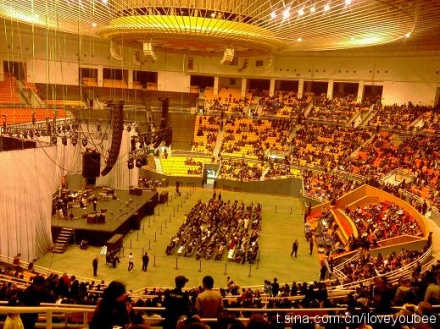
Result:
[{"x": 219, "y": 229}]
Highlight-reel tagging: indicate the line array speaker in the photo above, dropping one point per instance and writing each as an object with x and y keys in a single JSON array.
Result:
[{"x": 117, "y": 119}]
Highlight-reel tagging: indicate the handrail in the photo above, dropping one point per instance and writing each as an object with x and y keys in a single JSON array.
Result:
[
  {"x": 349, "y": 260},
  {"x": 390, "y": 274},
  {"x": 50, "y": 311}
]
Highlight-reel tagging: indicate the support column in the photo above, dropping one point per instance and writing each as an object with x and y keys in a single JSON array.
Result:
[
  {"x": 272, "y": 87},
  {"x": 300, "y": 88},
  {"x": 360, "y": 94},
  {"x": 100, "y": 75},
  {"x": 243, "y": 87},
  {"x": 130, "y": 79},
  {"x": 330, "y": 86},
  {"x": 216, "y": 79}
]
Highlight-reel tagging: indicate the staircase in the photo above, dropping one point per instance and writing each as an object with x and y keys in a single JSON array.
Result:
[
  {"x": 62, "y": 241},
  {"x": 218, "y": 144},
  {"x": 366, "y": 119}
]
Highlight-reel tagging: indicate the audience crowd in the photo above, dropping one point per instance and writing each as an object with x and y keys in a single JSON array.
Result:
[
  {"x": 218, "y": 227},
  {"x": 378, "y": 221},
  {"x": 416, "y": 293},
  {"x": 337, "y": 109}
]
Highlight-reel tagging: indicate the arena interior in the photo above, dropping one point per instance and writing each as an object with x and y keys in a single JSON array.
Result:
[{"x": 290, "y": 150}]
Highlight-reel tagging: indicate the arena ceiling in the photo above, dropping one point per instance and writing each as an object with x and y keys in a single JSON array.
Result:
[{"x": 247, "y": 27}]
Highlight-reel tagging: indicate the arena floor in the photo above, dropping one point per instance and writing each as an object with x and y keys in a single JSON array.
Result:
[{"x": 282, "y": 224}]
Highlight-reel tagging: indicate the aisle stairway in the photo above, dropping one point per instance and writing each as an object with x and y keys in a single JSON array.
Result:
[
  {"x": 218, "y": 144},
  {"x": 63, "y": 239}
]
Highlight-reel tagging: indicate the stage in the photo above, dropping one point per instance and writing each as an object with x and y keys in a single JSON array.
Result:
[{"x": 117, "y": 212}]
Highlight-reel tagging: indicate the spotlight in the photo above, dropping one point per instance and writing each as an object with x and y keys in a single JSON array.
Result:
[
  {"x": 54, "y": 140},
  {"x": 84, "y": 142},
  {"x": 74, "y": 141},
  {"x": 147, "y": 47},
  {"x": 31, "y": 134},
  {"x": 326, "y": 7},
  {"x": 138, "y": 163},
  {"x": 130, "y": 163},
  {"x": 64, "y": 140},
  {"x": 228, "y": 56},
  {"x": 273, "y": 15},
  {"x": 301, "y": 12}
]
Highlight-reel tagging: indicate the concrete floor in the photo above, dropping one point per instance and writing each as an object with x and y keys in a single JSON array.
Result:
[{"x": 282, "y": 224}]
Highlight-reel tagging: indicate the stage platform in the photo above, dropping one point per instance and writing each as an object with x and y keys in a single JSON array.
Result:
[{"x": 114, "y": 215}]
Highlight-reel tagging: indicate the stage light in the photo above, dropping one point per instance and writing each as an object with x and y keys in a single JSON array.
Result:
[
  {"x": 139, "y": 163},
  {"x": 64, "y": 140},
  {"x": 326, "y": 7},
  {"x": 84, "y": 142},
  {"x": 130, "y": 163},
  {"x": 301, "y": 12},
  {"x": 74, "y": 141},
  {"x": 128, "y": 128},
  {"x": 147, "y": 47},
  {"x": 228, "y": 56},
  {"x": 54, "y": 140},
  {"x": 273, "y": 15},
  {"x": 286, "y": 13},
  {"x": 312, "y": 9}
]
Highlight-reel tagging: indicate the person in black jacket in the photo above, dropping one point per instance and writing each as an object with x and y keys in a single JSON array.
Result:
[
  {"x": 33, "y": 296},
  {"x": 176, "y": 303}
]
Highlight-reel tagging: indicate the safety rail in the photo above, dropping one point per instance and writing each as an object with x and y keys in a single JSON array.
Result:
[
  {"x": 393, "y": 276},
  {"x": 63, "y": 311}
]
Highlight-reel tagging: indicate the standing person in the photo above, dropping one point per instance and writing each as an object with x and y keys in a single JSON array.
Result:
[
  {"x": 209, "y": 303},
  {"x": 311, "y": 244},
  {"x": 177, "y": 187},
  {"x": 145, "y": 261},
  {"x": 33, "y": 296},
  {"x": 294, "y": 248},
  {"x": 112, "y": 309},
  {"x": 176, "y": 303},
  {"x": 275, "y": 287},
  {"x": 130, "y": 262},
  {"x": 95, "y": 265}
]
